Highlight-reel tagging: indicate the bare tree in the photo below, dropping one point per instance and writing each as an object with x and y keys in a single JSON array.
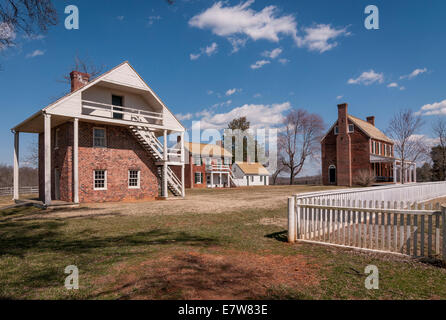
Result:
[
  {"x": 83, "y": 65},
  {"x": 28, "y": 16},
  {"x": 409, "y": 146},
  {"x": 439, "y": 131},
  {"x": 301, "y": 140}
]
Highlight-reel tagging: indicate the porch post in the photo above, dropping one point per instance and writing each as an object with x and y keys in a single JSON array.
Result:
[
  {"x": 165, "y": 193},
  {"x": 212, "y": 179},
  {"x": 229, "y": 181},
  {"x": 183, "y": 193},
  {"x": 16, "y": 166},
  {"x": 415, "y": 173},
  {"x": 76, "y": 160},
  {"x": 220, "y": 182},
  {"x": 47, "y": 148}
]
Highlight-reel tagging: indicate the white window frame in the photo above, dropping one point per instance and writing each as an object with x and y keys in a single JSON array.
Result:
[
  {"x": 227, "y": 161},
  {"x": 201, "y": 177},
  {"x": 195, "y": 158},
  {"x": 105, "y": 137},
  {"x": 352, "y": 126},
  {"x": 94, "y": 179},
  {"x": 138, "y": 181}
]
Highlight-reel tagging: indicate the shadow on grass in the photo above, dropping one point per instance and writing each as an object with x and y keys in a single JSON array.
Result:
[
  {"x": 19, "y": 238},
  {"x": 281, "y": 236}
]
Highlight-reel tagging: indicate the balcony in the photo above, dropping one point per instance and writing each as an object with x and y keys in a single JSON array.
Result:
[
  {"x": 218, "y": 168},
  {"x": 103, "y": 110}
]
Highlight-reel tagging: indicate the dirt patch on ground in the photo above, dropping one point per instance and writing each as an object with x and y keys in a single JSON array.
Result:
[
  {"x": 196, "y": 201},
  {"x": 194, "y": 275}
]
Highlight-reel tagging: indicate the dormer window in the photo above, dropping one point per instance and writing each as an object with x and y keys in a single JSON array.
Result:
[
  {"x": 351, "y": 128},
  {"x": 336, "y": 130}
]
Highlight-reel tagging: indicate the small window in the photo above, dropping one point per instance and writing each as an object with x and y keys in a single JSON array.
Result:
[
  {"x": 99, "y": 138},
  {"x": 197, "y": 160},
  {"x": 133, "y": 178},
  {"x": 351, "y": 128},
  {"x": 57, "y": 138},
  {"x": 198, "y": 178},
  {"x": 336, "y": 130},
  {"x": 100, "y": 179}
]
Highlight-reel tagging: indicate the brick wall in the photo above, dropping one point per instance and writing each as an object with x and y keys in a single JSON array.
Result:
[{"x": 123, "y": 153}]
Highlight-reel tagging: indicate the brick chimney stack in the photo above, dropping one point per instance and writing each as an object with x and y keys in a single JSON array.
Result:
[
  {"x": 78, "y": 79},
  {"x": 343, "y": 149},
  {"x": 371, "y": 120}
]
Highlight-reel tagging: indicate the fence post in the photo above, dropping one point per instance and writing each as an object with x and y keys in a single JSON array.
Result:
[
  {"x": 291, "y": 221},
  {"x": 443, "y": 224}
]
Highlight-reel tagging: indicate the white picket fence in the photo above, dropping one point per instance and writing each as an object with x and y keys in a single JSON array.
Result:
[
  {"x": 337, "y": 218},
  {"x": 8, "y": 191}
]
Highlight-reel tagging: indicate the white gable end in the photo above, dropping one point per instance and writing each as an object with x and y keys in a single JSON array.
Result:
[{"x": 125, "y": 75}]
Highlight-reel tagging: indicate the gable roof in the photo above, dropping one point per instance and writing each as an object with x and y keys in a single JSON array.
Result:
[
  {"x": 254, "y": 168},
  {"x": 204, "y": 149},
  {"x": 369, "y": 129},
  {"x": 142, "y": 85}
]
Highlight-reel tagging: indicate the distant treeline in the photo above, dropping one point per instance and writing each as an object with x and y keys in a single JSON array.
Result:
[
  {"x": 314, "y": 180},
  {"x": 28, "y": 176}
]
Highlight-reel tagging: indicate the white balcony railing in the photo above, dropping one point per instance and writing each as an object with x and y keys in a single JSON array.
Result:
[
  {"x": 218, "y": 167},
  {"x": 104, "y": 110}
]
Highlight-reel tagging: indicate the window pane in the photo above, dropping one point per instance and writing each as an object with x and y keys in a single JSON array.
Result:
[
  {"x": 98, "y": 137},
  {"x": 133, "y": 178}
]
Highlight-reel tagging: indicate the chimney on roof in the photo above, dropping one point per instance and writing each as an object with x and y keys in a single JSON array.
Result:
[
  {"x": 78, "y": 79},
  {"x": 342, "y": 118},
  {"x": 371, "y": 120}
]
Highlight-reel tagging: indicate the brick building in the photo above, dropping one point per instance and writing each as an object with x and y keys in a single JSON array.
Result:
[
  {"x": 353, "y": 145},
  {"x": 207, "y": 165},
  {"x": 100, "y": 142}
]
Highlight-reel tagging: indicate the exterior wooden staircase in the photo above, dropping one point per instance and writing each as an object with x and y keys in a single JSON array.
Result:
[{"x": 155, "y": 149}]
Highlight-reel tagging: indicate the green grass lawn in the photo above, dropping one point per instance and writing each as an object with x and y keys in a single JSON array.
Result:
[{"x": 192, "y": 256}]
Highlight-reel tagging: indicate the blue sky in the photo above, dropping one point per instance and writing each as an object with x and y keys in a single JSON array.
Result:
[{"x": 212, "y": 60}]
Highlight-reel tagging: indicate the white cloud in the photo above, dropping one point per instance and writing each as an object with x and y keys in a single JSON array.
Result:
[
  {"x": 392, "y": 85},
  {"x": 273, "y": 54},
  {"x": 182, "y": 117},
  {"x": 120, "y": 18},
  {"x": 436, "y": 108},
  {"x": 368, "y": 78},
  {"x": 209, "y": 51},
  {"x": 209, "y": 92},
  {"x": 284, "y": 61},
  {"x": 259, "y": 115},
  {"x": 259, "y": 64},
  {"x": 31, "y": 37},
  {"x": 35, "y": 53},
  {"x": 321, "y": 37},
  {"x": 414, "y": 73},
  {"x": 339, "y": 97},
  {"x": 239, "y": 22},
  {"x": 230, "y": 92},
  {"x": 194, "y": 56},
  {"x": 257, "y": 95}
]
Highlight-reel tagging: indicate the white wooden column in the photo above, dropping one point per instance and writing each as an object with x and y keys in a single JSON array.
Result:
[
  {"x": 16, "y": 166},
  {"x": 220, "y": 182},
  {"x": 47, "y": 158},
  {"x": 229, "y": 181},
  {"x": 212, "y": 180},
  {"x": 415, "y": 173},
  {"x": 394, "y": 172},
  {"x": 183, "y": 193},
  {"x": 165, "y": 193},
  {"x": 76, "y": 160}
]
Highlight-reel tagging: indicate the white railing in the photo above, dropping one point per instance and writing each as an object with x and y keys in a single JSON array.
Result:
[
  {"x": 99, "y": 109},
  {"x": 374, "y": 219},
  {"x": 418, "y": 192},
  {"x": 218, "y": 167},
  {"x": 6, "y": 191}
]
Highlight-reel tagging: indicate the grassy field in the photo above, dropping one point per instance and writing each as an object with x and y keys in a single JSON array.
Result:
[{"x": 192, "y": 254}]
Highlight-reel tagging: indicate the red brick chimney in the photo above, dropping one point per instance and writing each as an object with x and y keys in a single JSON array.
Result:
[
  {"x": 78, "y": 79},
  {"x": 343, "y": 149},
  {"x": 371, "y": 120}
]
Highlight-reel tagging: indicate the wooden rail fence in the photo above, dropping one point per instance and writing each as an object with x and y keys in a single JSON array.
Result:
[
  {"x": 408, "y": 228},
  {"x": 8, "y": 191}
]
